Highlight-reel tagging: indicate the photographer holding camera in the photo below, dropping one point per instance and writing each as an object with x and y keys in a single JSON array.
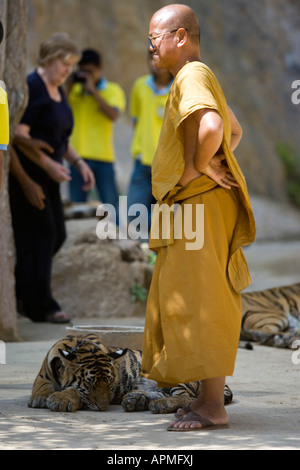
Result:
[
  {"x": 4, "y": 117},
  {"x": 96, "y": 103}
]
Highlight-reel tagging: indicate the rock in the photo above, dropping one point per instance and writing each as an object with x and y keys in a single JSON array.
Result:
[
  {"x": 80, "y": 211},
  {"x": 94, "y": 278},
  {"x": 131, "y": 251}
]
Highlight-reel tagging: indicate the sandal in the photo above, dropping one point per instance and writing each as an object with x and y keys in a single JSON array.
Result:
[
  {"x": 58, "y": 317},
  {"x": 186, "y": 409}
]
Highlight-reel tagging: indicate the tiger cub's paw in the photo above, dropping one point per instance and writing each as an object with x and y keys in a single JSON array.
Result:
[
  {"x": 135, "y": 401},
  {"x": 162, "y": 406},
  {"x": 37, "y": 402},
  {"x": 63, "y": 401}
]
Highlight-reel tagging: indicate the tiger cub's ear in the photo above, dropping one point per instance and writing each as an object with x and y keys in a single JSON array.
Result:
[
  {"x": 117, "y": 354},
  {"x": 67, "y": 355}
]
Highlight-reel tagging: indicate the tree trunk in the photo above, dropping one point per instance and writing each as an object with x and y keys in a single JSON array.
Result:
[{"x": 13, "y": 70}]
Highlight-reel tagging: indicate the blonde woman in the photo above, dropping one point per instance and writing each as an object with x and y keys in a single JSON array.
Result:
[{"x": 41, "y": 144}]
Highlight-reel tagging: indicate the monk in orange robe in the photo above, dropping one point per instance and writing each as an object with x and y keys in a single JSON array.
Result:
[{"x": 193, "y": 314}]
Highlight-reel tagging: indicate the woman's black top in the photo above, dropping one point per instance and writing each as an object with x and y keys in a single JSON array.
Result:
[{"x": 48, "y": 120}]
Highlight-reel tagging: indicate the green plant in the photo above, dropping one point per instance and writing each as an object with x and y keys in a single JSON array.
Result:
[
  {"x": 138, "y": 293},
  {"x": 291, "y": 161},
  {"x": 152, "y": 257}
]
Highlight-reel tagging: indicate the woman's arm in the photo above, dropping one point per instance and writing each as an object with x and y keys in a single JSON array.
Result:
[
  {"x": 32, "y": 191},
  {"x": 81, "y": 166},
  {"x": 34, "y": 149}
]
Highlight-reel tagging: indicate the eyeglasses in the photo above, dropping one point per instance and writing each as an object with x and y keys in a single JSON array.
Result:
[{"x": 153, "y": 38}]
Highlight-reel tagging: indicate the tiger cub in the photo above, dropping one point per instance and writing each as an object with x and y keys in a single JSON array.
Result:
[
  {"x": 81, "y": 372},
  {"x": 272, "y": 316}
]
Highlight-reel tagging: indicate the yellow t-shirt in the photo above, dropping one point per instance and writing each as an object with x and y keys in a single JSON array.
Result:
[
  {"x": 147, "y": 106},
  {"x": 92, "y": 135},
  {"x": 4, "y": 118}
]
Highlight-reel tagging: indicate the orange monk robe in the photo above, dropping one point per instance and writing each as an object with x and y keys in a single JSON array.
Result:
[{"x": 193, "y": 314}]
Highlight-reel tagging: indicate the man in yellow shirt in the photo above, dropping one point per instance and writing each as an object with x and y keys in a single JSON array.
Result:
[
  {"x": 147, "y": 105},
  {"x": 193, "y": 316},
  {"x": 4, "y": 118},
  {"x": 96, "y": 103}
]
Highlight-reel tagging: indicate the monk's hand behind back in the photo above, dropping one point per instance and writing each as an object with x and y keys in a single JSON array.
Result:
[{"x": 218, "y": 171}]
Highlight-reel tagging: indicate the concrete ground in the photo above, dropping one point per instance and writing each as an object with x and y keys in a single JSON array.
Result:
[{"x": 265, "y": 413}]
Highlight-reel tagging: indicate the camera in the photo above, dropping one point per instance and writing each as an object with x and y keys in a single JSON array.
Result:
[{"x": 77, "y": 77}]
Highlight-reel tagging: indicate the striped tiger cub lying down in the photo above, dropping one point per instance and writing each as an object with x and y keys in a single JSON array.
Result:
[
  {"x": 272, "y": 316},
  {"x": 81, "y": 372}
]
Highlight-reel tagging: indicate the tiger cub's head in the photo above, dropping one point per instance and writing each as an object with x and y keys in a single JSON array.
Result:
[{"x": 86, "y": 367}]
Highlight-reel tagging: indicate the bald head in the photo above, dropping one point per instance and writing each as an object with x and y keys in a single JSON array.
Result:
[{"x": 179, "y": 16}]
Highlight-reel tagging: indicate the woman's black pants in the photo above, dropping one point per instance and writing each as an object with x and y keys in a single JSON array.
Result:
[{"x": 38, "y": 236}]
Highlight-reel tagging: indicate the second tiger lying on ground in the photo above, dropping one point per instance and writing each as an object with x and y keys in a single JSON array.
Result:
[
  {"x": 272, "y": 316},
  {"x": 81, "y": 372}
]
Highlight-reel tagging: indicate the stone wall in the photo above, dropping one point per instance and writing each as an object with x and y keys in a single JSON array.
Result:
[{"x": 253, "y": 47}]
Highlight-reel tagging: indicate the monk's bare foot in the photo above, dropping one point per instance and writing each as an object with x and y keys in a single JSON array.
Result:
[
  {"x": 192, "y": 406},
  {"x": 206, "y": 416}
]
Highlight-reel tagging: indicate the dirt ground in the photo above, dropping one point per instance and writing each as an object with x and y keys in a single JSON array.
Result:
[{"x": 264, "y": 415}]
